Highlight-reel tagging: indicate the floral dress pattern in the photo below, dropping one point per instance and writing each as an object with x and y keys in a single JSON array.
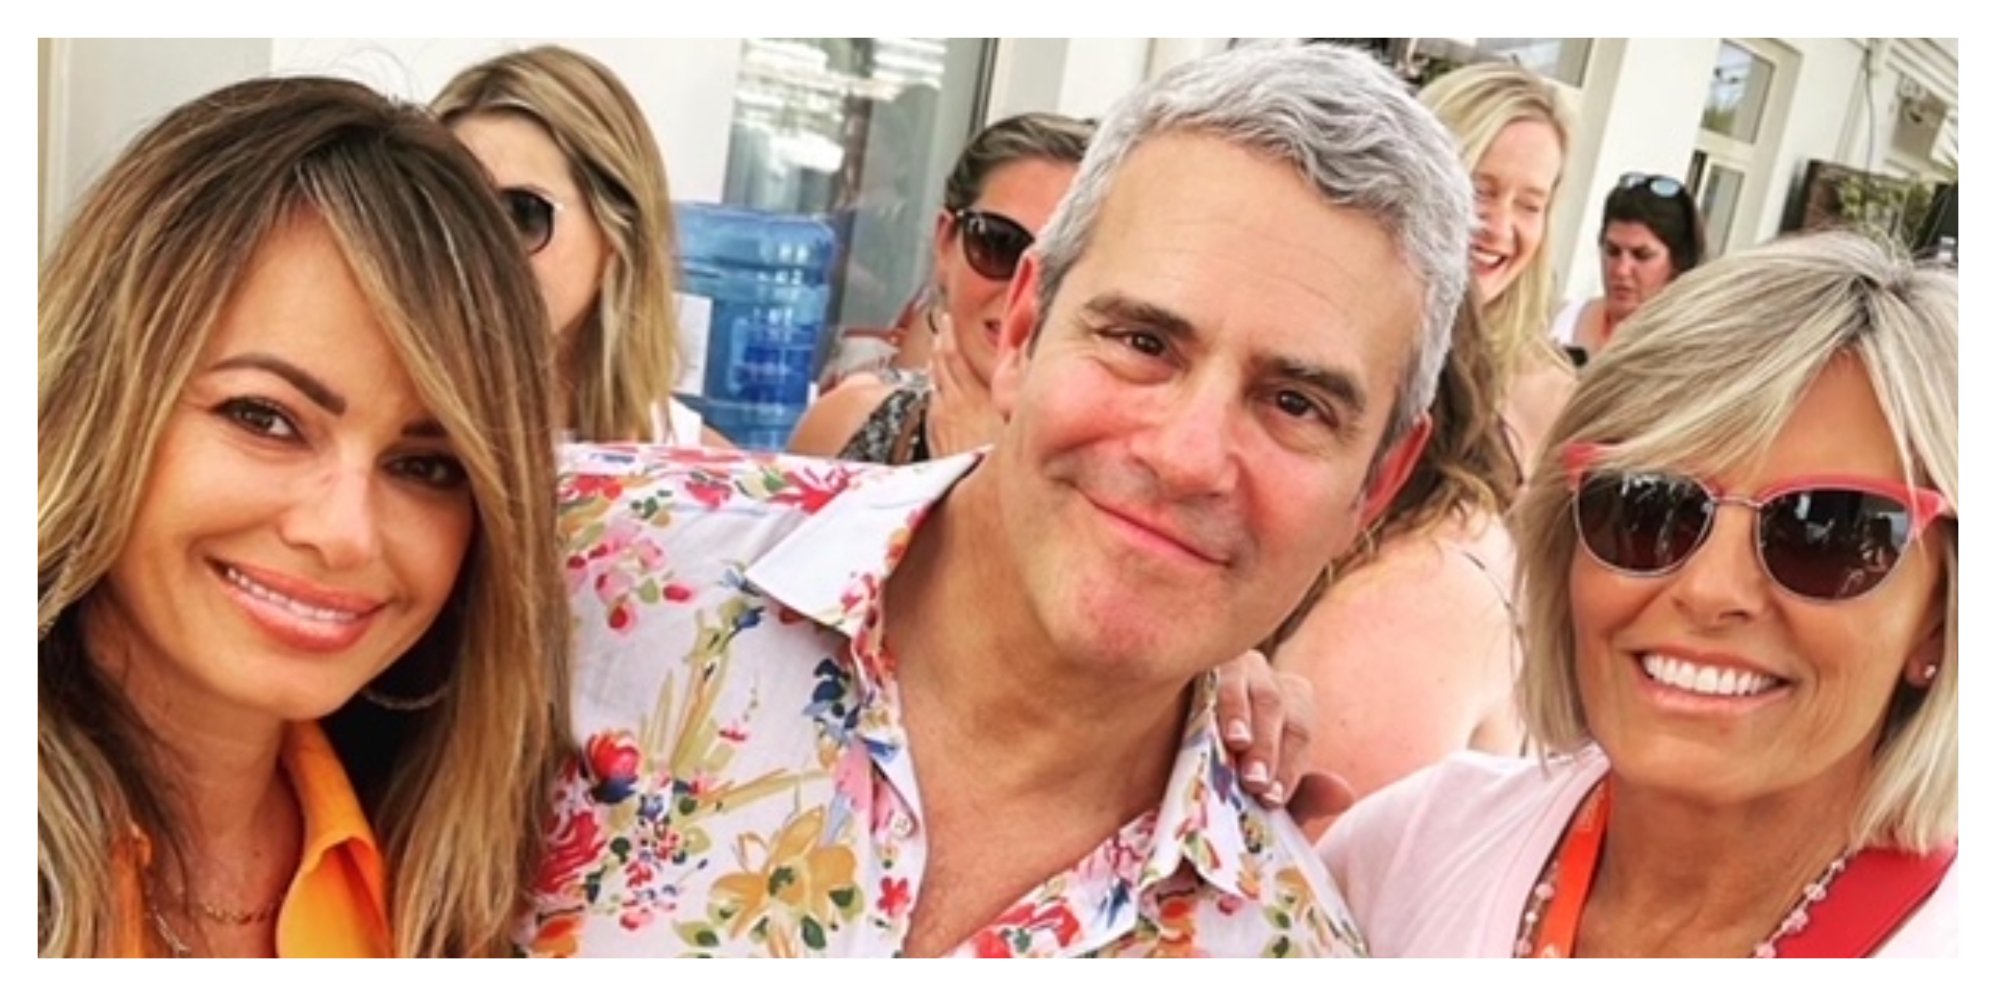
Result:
[{"x": 742, "y": 787}]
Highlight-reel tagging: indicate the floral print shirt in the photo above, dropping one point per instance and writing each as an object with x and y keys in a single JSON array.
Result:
[{"x": 743, "y": 785}]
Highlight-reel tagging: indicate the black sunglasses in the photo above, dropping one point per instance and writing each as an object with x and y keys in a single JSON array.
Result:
[
  {"x": 993, "y": 243},
  {"x": 533, "y": 215},
  {"x": 1823, "y": 538},
  {"x": 1659, "y": 184}
]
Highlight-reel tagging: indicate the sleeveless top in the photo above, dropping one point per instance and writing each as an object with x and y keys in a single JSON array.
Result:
[{"x": 893, "y": 433}]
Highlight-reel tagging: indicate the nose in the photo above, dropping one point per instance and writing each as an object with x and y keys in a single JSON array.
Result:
[
  {"x": 1492, "y": 220},
  {"x": 1723, "y": 581},
  {"x": 1190, "y": 447},
  {"x": 335, "y": 518},
  {"x": 1622, "y": 265}
]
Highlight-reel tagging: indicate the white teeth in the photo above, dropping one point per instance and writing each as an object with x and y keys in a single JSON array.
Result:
[
  {"x": 1486, "y": 258},
  {"x": 1711, "y": 680},
  {"x": 267, "y": 595}
]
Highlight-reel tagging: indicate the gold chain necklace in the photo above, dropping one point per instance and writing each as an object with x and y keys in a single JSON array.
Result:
[{"x": 177, "y": 946}]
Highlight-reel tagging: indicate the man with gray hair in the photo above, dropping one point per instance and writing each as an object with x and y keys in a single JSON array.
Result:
[{"x": 968, "y": 707}]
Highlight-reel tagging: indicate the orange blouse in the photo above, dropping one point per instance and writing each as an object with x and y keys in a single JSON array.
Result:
[{"x": 337, "y": 906}]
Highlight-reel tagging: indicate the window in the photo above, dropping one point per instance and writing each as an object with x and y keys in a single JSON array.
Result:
[
  {"x": 862, "y": 132},
  {"x": 1559, "y": 59},
  {"x": 1725, "y": 153},
  {"x": 1736, "y": 93},
  {"x": 1421, "y": 60}
]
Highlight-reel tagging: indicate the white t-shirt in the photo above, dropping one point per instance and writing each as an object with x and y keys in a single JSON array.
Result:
[
  {"x": 674, "y": 422},
  {"x": 1439, "y": 864},
  {"x": 680, "y": 424},
  {"x": 1563, "y": 330}
]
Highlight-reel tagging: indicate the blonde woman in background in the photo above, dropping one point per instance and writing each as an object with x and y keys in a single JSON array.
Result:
[
  {"x": 301, "y": 637},
  {"x": 1513, "y": 134},
  {"x": 582, "y": 178},
  {"x": 1409, "y": 643}
]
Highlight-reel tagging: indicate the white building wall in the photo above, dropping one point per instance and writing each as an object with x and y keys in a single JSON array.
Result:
[
  {"x": 685, "y": 86},
  {"x": 104, "y": 92}
]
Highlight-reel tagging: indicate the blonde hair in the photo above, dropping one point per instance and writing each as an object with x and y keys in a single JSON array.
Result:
[
  {"x": 1703, "y": 380},
  {"x": 627, "y": 356},
  {"x": 130, "y": 293},
  {"x": 1476, "y": 103}
]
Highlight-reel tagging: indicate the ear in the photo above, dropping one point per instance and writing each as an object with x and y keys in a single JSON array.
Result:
[
  {"x": 943, "y": 231},
  {"x": 1394, "y": 470},
  {"x": 1017, "y": 334},
  {"x": 1926, "y": 659}
]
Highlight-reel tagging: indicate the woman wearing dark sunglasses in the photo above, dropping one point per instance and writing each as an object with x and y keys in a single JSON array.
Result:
[
  {"x": 1741, "y": 582},
  {"x": 1004, "y": 186},
  {"x": 583, "y": 182},
  {"x": 1651, "y": 234}
]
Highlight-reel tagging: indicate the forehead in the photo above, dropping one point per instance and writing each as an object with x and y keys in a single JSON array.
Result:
[
  {"x": 1026, "y": 190},
  {"x": 1527, "y": 152},
  {"x": 1254, "y": 259},
  {"x": 1837, "y": 427},
  {"x": 1636, "y": 235},
  {"x": 514, "y": 148}
]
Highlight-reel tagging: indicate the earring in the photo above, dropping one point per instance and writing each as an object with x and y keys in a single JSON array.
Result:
[{"x": 1930, "y": 672}]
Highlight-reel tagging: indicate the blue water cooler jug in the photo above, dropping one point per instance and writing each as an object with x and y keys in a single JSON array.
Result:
[{"x": 765, "y": 279}]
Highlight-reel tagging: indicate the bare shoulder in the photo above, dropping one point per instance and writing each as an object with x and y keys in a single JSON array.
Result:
[
  {"x": 829, "y": 423},
  {"x": 1420, "y": 585}
]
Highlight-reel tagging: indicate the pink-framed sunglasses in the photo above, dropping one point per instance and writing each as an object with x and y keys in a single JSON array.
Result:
[{"x": 1823, "y": 538}]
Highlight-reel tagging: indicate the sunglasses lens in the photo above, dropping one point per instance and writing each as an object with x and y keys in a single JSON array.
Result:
[
  {"x": 993, "y": 245},
  {"x": 1665, "y": 187},
  {"x": 1832, "y": 544},
  {"x": 533, "y": 217},
  {"x": 1641, "y": 522}
]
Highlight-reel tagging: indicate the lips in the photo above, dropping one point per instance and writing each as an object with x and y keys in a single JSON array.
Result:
[
  {"x": 1163, "y": 536},
  {"x": 295, "y": 612}
]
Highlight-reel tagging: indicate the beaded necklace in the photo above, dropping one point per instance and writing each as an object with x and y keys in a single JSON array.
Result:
[{"x": 1578, "y": 854}]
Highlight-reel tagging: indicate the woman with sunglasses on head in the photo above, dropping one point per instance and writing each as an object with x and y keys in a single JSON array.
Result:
[
  {"x": 1513, "y": 133},
  {"x": 1742, "y": 602},
  {"x": 1003, "y": 188},
  {"x": 1651, "y": 234},
  {"x": 583, "y": 180},
  {"x": 301, "y": 634}
]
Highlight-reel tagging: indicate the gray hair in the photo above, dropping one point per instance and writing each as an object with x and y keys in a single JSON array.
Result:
[{"x": 1351, "y": 129}]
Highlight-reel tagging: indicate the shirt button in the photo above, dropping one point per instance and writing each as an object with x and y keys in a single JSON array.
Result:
[{"x": 903, "y": 825}]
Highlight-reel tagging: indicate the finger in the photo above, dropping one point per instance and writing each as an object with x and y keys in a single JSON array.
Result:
[
  {"x": 1321, "y": 796},
  {"x": 1300, "y": 715},
  {"x": 1267, "y": 726},
  {"x": 1232, "y": 705}
]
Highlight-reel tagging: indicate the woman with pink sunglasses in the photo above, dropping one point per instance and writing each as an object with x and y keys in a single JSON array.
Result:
[{"x": 1741, "y": 587}]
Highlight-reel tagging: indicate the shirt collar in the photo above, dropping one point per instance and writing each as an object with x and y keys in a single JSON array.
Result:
[
  {"x": 831, "y": 569},
  {"x": 1205, "y": 820},
  {"x": 332, "y": 814}
]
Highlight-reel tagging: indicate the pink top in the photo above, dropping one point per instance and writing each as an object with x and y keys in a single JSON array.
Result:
[{"x": 1438, "y": 865}]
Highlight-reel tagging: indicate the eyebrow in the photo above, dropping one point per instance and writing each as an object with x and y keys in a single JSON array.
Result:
[
  {"x": 1116, "y": 307},
  {"x": 1340, "y": 387},
  {"x": 321, "y": 395}
]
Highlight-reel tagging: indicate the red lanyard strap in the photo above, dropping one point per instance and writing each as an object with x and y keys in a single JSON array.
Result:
[
  {"x": 1576, "y": 866},
  {"x": 1871, "y": 899}
]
